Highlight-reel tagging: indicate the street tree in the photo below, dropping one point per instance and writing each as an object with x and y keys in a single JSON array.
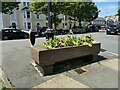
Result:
[
  {"x": 81, "y": 11},
  {"x": 8, "y": 7},
  {"x": 68, "y": 11},
  {"x": 90, "y": 11},
  {"x": 42, "y": 7}
]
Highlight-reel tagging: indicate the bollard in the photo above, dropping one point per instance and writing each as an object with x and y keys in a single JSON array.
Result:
[{"x": 32, "y": 37}]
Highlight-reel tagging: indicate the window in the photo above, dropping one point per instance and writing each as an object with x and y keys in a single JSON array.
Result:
[
  {"x": 37, "y": 16},
  {"x": 29, "y": 25},
  {"x": 24, "y": 25},
  {"x": 15, "y": 30},
  {"x": 13, "y": 25},
  {"x": 46, "y": 24},
  {"x": 24, "y": 14},
  {"x": 38, "y": 24},
  {"x": 28, "y": 4},
  {"x": 6, "y": 30},
  {"x": 63, "y": 25},
  {"x": 28, "y": 14},
  {"x": 24, "y": 3}
]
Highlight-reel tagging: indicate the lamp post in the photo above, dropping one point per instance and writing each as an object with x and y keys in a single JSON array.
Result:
[
  {"x": 49, "y": 32},
  {"x": 49, "y": 15}
]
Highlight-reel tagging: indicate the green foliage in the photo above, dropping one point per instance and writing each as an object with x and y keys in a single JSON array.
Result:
[
  {"x": 81, "y": 11},
  {"x": 8, "y": 7},
  {"x": 39, "y": 7},
  {"x": 3, "y": 87},
  {"x": 69, "y": 41},
  {"x": 42, "y": 7}
]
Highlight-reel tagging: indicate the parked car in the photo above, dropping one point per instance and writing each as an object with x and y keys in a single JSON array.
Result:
[
  {"x": 78, "y": 29},
  {"x": 92, "y": 28},
  {"x": 62, "y": 31},
  {"x": 11, "y": 33},
  {"x": 59, "y": 32},
  {"x": 41, "y": 31},
  {"x": 113, "y": 29},
  {"x": 118, "y": 29}
]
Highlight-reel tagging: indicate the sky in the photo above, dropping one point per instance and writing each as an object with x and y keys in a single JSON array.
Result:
[{"x": 107, "y": 7}]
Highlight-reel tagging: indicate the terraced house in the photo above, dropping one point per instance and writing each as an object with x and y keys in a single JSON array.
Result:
[{"x": 26, "y": 20}]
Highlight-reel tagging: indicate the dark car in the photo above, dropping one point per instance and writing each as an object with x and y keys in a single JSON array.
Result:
[
  {"x": 78, "y": 29},
  {"x": 11, "y": 33},
  {"x": 62, "y": 31},
  {"x": 113, "y": 29},
  {"x": 41, "y": 31},
  {"x": 92, "y": 28}
]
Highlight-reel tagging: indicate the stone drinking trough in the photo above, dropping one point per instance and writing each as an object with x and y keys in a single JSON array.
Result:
[{"x": 46, "y": 58}]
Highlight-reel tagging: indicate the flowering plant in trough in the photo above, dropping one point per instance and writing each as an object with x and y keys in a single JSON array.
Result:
[{"x": 69, "y": 41}]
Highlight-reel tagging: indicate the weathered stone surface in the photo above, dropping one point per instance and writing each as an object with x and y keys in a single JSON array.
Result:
[{"x": 48, "y": 57}]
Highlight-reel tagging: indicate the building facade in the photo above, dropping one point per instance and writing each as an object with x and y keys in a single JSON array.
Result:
[
  {"x": 26, "y": 20},
  {"x": 99, "y": 21},
  {"x": 108, "y": 20}
]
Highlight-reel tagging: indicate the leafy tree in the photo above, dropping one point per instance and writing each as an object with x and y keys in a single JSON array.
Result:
[
  {"x": 39, "y": 7},
  {"x": 81, "y": 11},
  {"x": 56, "y": 8},
  {"x": 68, "y": 11},
  {"x": 90, "y": 11},
  {"x": 8, "y": 7},
  {"x": 42, "y": 7}
]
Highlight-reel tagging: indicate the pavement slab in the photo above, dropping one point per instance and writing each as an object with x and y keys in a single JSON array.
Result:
[
  {"x": 103, "y": 75},
  {"x": 61, "y": 81}
]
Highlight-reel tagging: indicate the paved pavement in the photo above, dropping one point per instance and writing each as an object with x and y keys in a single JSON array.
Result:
[
  {"x": 61, "y": 81},
  {"x": 104, "y": 75},
  {"x": 16, "y": 61}
]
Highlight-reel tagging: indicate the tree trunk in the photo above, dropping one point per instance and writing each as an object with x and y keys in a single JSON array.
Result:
[
  {"x": 70, "y": 25},
  {"x": 54, "y": 21},
  {"x": 80, "y": 23}
]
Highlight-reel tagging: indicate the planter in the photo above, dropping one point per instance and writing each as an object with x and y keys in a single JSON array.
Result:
[{"x": 46, "y": 58}]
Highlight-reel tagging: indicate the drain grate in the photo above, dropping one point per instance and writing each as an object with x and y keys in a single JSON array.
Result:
[{"x": 80, "y": 70}]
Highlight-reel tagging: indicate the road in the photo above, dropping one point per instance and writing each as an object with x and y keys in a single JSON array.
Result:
[
  {"x": 15, "y": 58},
  {"x": 108, "y": 42}
]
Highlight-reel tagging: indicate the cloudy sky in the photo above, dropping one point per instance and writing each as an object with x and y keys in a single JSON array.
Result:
[{"x": 107, "y": 7}]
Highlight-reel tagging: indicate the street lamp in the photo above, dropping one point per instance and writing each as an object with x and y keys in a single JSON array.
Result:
[
  {"x": 70, "y": 24},
  {"x": 49, "y": 15},
  {"x": 49, "y": 33}
]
